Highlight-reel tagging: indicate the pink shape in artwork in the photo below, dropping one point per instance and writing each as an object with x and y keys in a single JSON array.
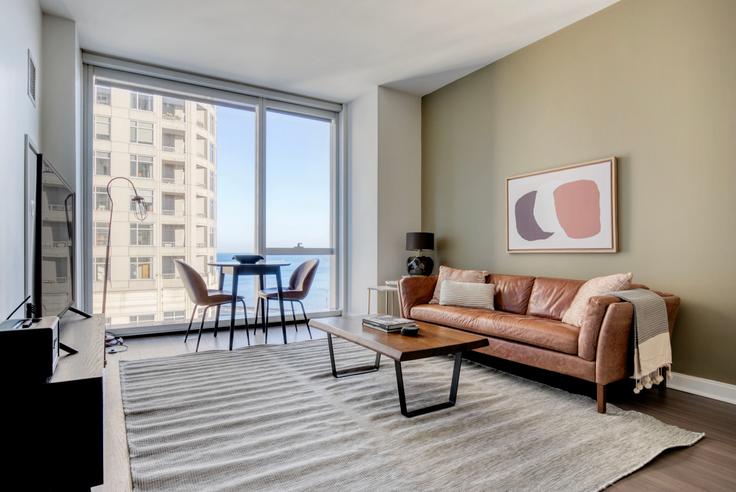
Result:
[{"x": 577, "y": 204}]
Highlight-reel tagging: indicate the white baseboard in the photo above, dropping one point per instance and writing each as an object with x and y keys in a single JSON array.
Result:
[{"x": 703, "y": 387}]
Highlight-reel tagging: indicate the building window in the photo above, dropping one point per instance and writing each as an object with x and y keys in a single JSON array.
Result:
[
  {"x": 99, "y": 268},
  {"x": 173, "y": 235},
  {"x": 102, "y": 127},
  {"x": 141, "y": 234},
  {"x": 102, "y": 95},
  {"x": 141, "y": 166},
  {"x": 101, "y": 232},
  {"x": 102, "y": 201},
  {"x": 141, "y": 132},
  {"x": 147, "y": 200},
  {"x": 141, "y": 268},
  {"x": 174, "y": 315},
  {"x": 212, "y": 152},
  {"x": 172, "y": 108},
  {"x": 141, "y": 101},
  {"x": 168, "y": 266},
  {"x": 141, "y": 318},
  {"x": 212, "y": 209},
  {"x": 212, "y": 237},
  {"x": 102, "y": 163},
  {"x": 201, "y": 117}
]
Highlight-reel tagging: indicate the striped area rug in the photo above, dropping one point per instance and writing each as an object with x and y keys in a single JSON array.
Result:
[{"x": 273, "y": 418}]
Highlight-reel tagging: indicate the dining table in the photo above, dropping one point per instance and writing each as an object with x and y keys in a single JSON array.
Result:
[{"x": 259, "y": 269}]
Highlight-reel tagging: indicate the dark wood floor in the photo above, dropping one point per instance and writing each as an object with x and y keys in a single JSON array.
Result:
[{"x": 709, "y": 465}]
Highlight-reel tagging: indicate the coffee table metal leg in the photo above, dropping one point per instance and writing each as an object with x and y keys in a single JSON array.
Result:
[
  {"x": 439, "y": 406},
  {"x": 351, "y": 371}
]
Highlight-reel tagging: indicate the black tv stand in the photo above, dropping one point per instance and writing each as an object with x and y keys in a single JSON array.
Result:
[{"x": 38, "y": 418}]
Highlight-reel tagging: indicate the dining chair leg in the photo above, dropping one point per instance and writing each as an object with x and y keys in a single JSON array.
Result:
[
  {"x": 255, "y": 320},
  {"x": 306, "y": 320},
  {"x": 217, "y": 319},
  {"x": 265, "y": 318},
  {"x": 194, "y": 310},
  {"x": 245, "y": 316},
  {"x": 293, "y": 315},
  {"x": 201, "y": 325}
]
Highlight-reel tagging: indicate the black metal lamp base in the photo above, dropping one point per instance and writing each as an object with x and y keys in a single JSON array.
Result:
[{"x": 419, "y": 265}]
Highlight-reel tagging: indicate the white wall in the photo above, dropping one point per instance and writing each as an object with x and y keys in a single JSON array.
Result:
[
  {"x": 61, "y": 120},
  {"x": 384, "y": 191},
  {"x": 362, "y": 199},
  {"x": 20, "y": 30},
  {"x": 399, "y": 178}
]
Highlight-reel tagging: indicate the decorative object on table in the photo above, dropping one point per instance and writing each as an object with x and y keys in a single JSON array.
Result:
[
  {"x": 387, "y": 323},
  {"x": 410, "y": 331},
  {"x": 200, "y": 295},
  {"x": 247, "y": 259},
  {"x": 419, "y": 264},
  {"x": 569, "y": 209},
  {"x": 139, "y": 209},
  {"x": 300, "y": 283}
]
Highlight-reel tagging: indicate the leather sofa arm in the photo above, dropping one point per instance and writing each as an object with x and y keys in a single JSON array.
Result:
[
  {"x": 612, "y": 358},
  {"x": 591, "y": 326},
  {"x": 414, "y": 291}
]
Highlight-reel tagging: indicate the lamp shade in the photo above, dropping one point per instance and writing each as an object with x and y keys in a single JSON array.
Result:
[{"x": 419, "y": 240}]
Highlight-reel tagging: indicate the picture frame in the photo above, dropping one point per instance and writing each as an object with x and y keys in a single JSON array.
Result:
[{"x": 566, "y": 209}]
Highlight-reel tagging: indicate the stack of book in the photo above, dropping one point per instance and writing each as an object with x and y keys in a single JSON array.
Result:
[{"x": 387, "y": 323}]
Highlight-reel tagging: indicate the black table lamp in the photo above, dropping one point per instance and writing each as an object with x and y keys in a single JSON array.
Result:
[{"x": 418, "y": 241}]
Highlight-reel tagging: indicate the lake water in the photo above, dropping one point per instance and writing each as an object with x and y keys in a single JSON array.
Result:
[{"x": 319, "y": 295}]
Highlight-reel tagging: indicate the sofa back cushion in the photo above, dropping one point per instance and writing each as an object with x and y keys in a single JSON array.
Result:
[
  {"x": 551, "y": 297},
  {"x": 512, "y": 292}
]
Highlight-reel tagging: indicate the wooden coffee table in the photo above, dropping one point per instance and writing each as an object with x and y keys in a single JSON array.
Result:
[{"x": 432, "y": 340}]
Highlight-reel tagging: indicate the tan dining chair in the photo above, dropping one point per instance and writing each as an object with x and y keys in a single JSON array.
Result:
[
  {"x": 200, "y": 295},
  {"x": 300, "y": 283}
]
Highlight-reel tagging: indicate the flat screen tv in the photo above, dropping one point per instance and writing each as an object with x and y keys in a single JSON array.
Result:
[{"x": 53, "y": 243}]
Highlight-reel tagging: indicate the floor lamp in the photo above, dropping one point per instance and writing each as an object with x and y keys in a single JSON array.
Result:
[{"x": 140, "y": 214}]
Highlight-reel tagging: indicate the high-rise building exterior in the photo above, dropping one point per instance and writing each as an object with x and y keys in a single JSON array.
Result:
[{"x": 167, "y": 147}]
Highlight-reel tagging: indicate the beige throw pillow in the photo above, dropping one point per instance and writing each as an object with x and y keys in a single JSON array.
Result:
[
  {"x": 467, "y": 294},
  {"x": 594, "y": 287},
  {"x": 447, "y": 273}
]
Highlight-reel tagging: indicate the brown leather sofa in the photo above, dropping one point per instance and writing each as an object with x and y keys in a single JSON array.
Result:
[{"x": 526, "y": 326}]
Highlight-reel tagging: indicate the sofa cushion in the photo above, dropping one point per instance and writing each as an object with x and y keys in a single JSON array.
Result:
[
  {"x": 512, "y": 292},
  {"x": 452, "y": 316},
  {"x": 597, "y": 286},
  {"x": 551, "y": 297},
  {"x": 540, "y": 332}
]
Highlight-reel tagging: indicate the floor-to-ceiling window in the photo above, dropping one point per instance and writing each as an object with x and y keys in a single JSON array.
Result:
[{"x": 219, "y": 174}]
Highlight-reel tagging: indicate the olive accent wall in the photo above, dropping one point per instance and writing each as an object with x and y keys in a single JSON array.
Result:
[{"x": 652, "y": 82}]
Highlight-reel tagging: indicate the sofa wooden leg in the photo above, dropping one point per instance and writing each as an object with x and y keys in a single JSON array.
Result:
[
  {"x": 600, "y": 397},
  {"x": 662, "y": 387}
]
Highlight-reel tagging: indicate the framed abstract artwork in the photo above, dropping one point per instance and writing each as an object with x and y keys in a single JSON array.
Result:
[{"x": 569, "y": 209}]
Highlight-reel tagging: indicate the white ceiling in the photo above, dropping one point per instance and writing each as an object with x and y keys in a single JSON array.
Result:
[{"x": 331, "y": 49}]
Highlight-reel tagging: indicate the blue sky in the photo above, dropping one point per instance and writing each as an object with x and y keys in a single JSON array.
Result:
[{"x": 297, "y": 180}]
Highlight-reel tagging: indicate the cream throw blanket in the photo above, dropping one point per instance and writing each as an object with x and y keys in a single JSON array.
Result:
[{"x": 652, "y": 350}]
